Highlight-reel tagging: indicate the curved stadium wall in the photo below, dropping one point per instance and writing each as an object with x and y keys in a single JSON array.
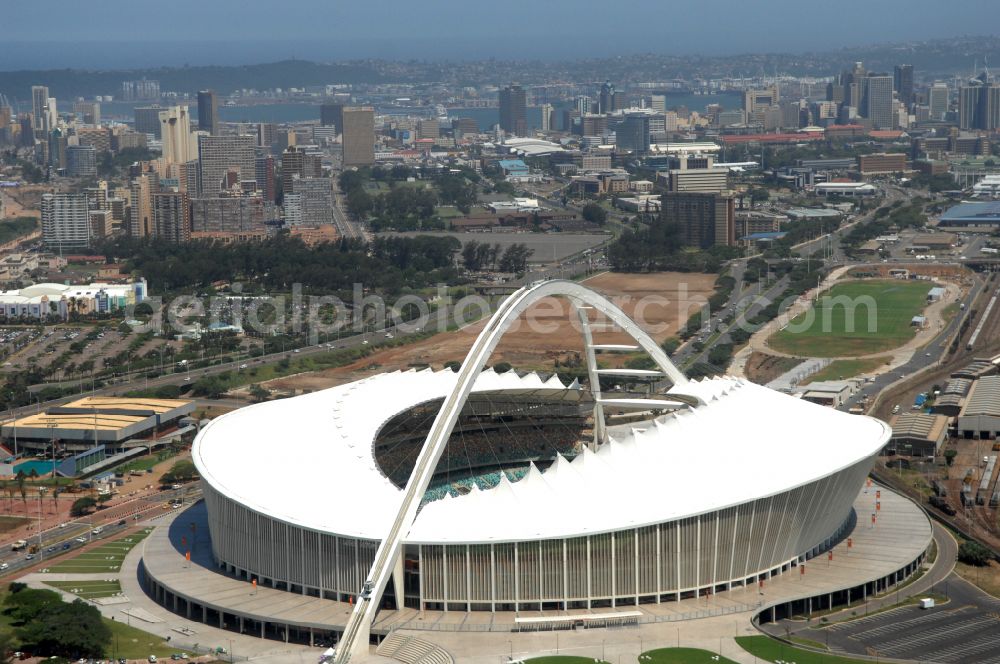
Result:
[{"x": 699, "y": 553}]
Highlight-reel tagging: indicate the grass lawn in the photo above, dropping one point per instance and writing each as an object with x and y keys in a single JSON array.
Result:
[
  {"x": 987, "y": 578},
  {"x": 88, "y": 589},
  {"x": 882, "y": 310},
  {"x": 771, "y": 650},
  {"x": 682, "y": 656},
  {"x": 146, "y": 462},
  {"x": 105, "y": 558},
  {"x": 839, "y": 369},
  {"x": 564, "y": 659},
  {"x": 448, "y": 212},
  {"x": 133, "y": 643},
  {"x": 8, "y": 523}
]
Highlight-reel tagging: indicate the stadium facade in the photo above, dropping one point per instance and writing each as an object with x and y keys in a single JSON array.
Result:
[{"x": 699, "y": 488}]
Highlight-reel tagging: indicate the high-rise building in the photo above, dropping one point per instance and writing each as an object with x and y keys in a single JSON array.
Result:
[
  {"x": 81, "y": 161},
  {"x": 218, "y": 154},
  {"x": 632, "y": 133},
  {"x": 51, "y": 114},
  {"x": 464, "y": 127},
  {"x": 758, "y": 100},
  {"x": 548, "y": 119},
  {"x": 140, "y": 221},
  {"x": 316, "y": 200},
  {"x": 208, "y": 112},
  {"x": 90, "y": 111},
  {"x": 583, "y": 105},
  {"x": 428, "y": 128},
  {"x": 358, "y": 135},
  {"x": 264, "y": 170},
  {"x": 514, "y": 110},
  {"x": 172, "y": 216},
  {"x": 39, "y": 99},
  {"x": 65, "y": 221},
  {"x": 851, "y": 81},
  {"x": 704, "y": 220},
  {"x": 876, "y": 100},
  {"x": 606, "y": 100},
  {"x": 296, "y": 162},
  {"x": 147, "y": 120},
  {"x": 659, "y": 103},
  {"x": 902, "y": 79},
  {"x": 267, "y": 135},
  {"x": 227, "y": 214},
  {"x": 937, "y": 101},
  {"x": 979, "y": 106},
  {"x": 332, "y": 115},
  {"x": 175, "y": 133}
]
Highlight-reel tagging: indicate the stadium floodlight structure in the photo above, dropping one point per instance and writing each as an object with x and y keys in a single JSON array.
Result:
[{"x": 387, "y": 558}]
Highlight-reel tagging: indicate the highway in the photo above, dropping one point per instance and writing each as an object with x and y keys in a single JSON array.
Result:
[{"x": 75, "y": 534}]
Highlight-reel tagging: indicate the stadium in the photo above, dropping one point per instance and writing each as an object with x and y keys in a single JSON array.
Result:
[{"x": 482, "y": 491}]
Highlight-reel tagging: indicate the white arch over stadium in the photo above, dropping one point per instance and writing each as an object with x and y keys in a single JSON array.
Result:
[{"x": 356, "y": 633}]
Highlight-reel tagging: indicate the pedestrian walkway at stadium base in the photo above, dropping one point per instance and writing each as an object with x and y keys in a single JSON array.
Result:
[{"x": 197, "y": 597}]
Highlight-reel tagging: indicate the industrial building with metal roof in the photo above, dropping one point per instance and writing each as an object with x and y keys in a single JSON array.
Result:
[
  {"x": 917, "y": 434},
  {"x": 83, "y": 423},
  {"x": 980, "y": 416}
]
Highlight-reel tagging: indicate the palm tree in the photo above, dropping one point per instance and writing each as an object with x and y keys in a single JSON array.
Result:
[{"x": 55, "y": 499}]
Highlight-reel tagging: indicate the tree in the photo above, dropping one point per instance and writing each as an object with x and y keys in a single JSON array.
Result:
[
  {"x": 182, "y": 471},
  {"x": 949, "y": 456},
  {"x": 68, "y": 630},
  {"x": 502, "y": 367},
  {"x": 594, "y": 213},
  {"x": 258, "y": 393},
  {"x": 974, "y": 553},
  {"x": 759, "y": 195},
  {"x": 82, "y": 506}
]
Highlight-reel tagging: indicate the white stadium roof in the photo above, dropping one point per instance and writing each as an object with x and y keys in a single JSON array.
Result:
[{"x": 308, "y": 461}]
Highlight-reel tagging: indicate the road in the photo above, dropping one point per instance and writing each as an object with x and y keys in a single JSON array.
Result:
[{"x": 67, "y": 537}]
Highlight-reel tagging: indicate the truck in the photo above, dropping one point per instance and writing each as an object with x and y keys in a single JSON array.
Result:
[{"x": 19, "y": 545}]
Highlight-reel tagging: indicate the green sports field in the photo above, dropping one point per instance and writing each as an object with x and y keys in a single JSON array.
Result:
[
  {"x": 89, "y": 589},
  {"x": 682, "y": 656},
  {"x": 855, "y": 318},
  {"x": 107, "y": 557}
]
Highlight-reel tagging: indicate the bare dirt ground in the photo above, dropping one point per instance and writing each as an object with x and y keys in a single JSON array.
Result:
[
  {"x": 660, "y": 302},
  {"x": 762, "y": 367},
  {"x": 123, "y": 504}
]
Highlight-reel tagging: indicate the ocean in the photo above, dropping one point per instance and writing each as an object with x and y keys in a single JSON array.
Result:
[{"x": 287, "y": 112}]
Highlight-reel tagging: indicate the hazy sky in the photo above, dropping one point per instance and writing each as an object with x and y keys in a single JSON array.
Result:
[{"x": 124, "y": 33}]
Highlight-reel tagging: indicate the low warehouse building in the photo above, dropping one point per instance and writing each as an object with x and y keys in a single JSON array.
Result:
[
  {"x": 917, "y": 434},
  {"x": 80, "y": 425},
  {"x": 980, "y": 417}
]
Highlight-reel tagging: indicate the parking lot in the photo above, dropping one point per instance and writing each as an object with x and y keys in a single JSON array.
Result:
[{"x": 966, "y": 629}]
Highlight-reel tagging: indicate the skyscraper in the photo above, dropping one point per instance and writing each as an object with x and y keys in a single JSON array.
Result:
[
  {"x": 208, "y": 112},
  {"x": 81, "y": 161},
  {"x": 147, "y": 120},
  {"x": 876, "y": 100},
  {"x": 704, "y": 219},
  {"x": 633, "y": 133},
  {"x": 514, "y": 110},
  {"x": 358, "y": 135},
  {"x": 39, "y": 99},
  {"x": 172, "y": 216},
  {"x": 606, "y": 101},
  {"x": 141, "y": 223},
  {"x": 175, "y": 132},
  {"x": 902, "y": 79},
  {"x": 979, "y": 106},
  {"x": 264, "y": 170},
  {"x": 547, "y": 117},
  {"x": 65, "y": 221},
  {"x": 937, "y": 101},
  {"x": 218, "y": 154},
  {"x": 332, "y": 115}
]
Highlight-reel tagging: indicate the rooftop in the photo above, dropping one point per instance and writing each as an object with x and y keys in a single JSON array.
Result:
[
  {"x": 987, "y": 212},
  {"x": 984, "y": 398},
  {"x": 652, "y": 473}
]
